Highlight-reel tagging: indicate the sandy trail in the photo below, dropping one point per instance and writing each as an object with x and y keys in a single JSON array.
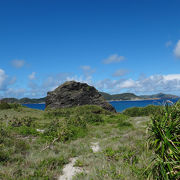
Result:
[
  {"x": 69, "y": 170},
  {"x": 139, "y": 120},
  {"x": 95, "y": 146},
  {"x": 40, "y": 130}
]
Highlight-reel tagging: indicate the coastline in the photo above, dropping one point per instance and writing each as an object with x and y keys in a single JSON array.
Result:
[
  {"x": 119, "y": 100},
  {"x": 143, "y": 99},
  {"x": 114, "y": 100},
  {"x": 134, "y": 99}
]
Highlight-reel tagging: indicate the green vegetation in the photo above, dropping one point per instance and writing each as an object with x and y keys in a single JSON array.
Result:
[
  {"x": 4, "y": 105},
  {"x": 142, "y": 111},
  {"x": 38, "y": 144},
  {"x": 28, "y": 153},
  {"x": 123, "y": 96},
  {"x": 131, "y": 96},
  {"x": 160, "y": 95},
  {"x": 165, "y": 140},
  {"x": 24, "y": 100}
]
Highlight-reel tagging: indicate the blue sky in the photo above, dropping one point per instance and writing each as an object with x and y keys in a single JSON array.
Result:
[{"x": 115, "y": 45}]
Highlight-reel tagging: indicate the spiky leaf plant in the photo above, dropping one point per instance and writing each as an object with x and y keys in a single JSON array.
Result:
[{"x": 165, "y": 142}]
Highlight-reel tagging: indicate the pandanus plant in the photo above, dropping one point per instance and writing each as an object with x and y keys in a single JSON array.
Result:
[{"x": 164, "y": 140}]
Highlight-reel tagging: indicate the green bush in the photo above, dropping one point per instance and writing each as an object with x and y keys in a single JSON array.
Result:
[
  {"x": 142, "y": 111},
  {"x": 164, "y": 141},
  {"x": 71, "y": 123},
  {"x": 124, "y": 124},
  {"x": 4, "y": 105},
  {"x": 10, "y": 145},
  {"x": 111, "y": 154},
  {"x": 21, "y": 146},
  {"x": 24, "y": 121},
  {"x": 16, "y": 106},
  {"x": 24, "y": 126},
  {"x": 53, "y": 163},
  {"x": 93, "y": 118},
  {"x": 78, "y": 110},
  {"x": 4, "y": 156},
  {"x": 25, "y": 130},
  {"x": 66, "y": 128}
]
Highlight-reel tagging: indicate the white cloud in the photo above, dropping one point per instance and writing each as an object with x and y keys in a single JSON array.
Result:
[
  {"x": 170, "y": 77},
  {"x": 113, "y": 59},
  {"x": 168, "y": 43},
  {"x": 87, "y": 70},
  {"x": 120, "y": 72},
  {"x": 54, "y": 80},
  {"x": 5, "y": 81},
  {"x": 15, "y": 93},
  {"x": 87, "y": 79},
  {"x": 169, "y": 83},
  {"x": 18, "y": 63},
  {"x": 177, "y": 50},
  {"x": 127, "y": 84},
  {"x": 107, "y": 84},
  {"x": 32, "y": 76},
  {"x": 3, "y": 77},
  {"x": 153, "y": 84}
]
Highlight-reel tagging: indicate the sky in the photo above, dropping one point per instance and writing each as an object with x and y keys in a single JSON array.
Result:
[{"x": 115, "y": 45}]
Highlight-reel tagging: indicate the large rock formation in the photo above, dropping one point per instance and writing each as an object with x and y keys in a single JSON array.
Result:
[{"x": 73, "y": 93}]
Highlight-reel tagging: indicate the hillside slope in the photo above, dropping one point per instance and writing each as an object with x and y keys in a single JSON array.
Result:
[{"x": 160, "y": 96}]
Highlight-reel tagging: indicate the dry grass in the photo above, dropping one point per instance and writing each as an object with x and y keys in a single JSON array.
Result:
[{"x": 123, "y": 153}]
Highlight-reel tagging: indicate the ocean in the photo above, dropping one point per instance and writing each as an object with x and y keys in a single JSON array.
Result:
[{"x": 118, "y": 105}]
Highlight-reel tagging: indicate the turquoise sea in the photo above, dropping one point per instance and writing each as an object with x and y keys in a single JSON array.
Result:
[{"x": 118, "y": 105}]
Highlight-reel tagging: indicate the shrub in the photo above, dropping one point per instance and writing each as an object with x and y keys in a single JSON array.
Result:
[
  {"x": 44, "y": 168},
  {"x": 21, "y": 146},
  {"x": 93, "y": 118},
  {"x": 142, "y": 111},
  {"x": 164, "y": 140},
  {"x": 10, "y": 145},
  {"x": 16, "y": 106},
  {"x": 53, "y": 163},
  {"x": 24, "y": 125},
  {"x": 24, "y": 121},
  {"x": 66, "y": 128},
  {"x": 78, "y": 110},
  {"x": 4, "y": 156},
  {"x": 124, "y": 124},
  {"x": 70, "y": 123},
  {"x": 24, "y": 130},
  {"x": 4, "y": 105},
  {"x": 111, "y": 154}
]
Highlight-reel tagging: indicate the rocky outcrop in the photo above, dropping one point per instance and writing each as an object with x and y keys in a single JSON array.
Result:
[{"x": 73, "y": 93}]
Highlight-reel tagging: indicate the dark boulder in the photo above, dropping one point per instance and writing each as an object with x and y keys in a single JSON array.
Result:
[{"x": 73, "y": 93}]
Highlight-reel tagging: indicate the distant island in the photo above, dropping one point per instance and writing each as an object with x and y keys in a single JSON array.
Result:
[
  {"x": 108, "y": 97},
  {"x": 24, "y": 100},
  {"x": 131, "y": 96}
]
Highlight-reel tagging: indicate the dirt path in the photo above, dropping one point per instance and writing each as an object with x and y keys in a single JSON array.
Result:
[
  {"x": 69, "y": 170},
  {"x": 139, "y": 120},
  {"x": 95, "y": 146}
]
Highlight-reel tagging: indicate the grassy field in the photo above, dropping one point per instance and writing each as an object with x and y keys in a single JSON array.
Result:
[{"x": 37, "y": 145}]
